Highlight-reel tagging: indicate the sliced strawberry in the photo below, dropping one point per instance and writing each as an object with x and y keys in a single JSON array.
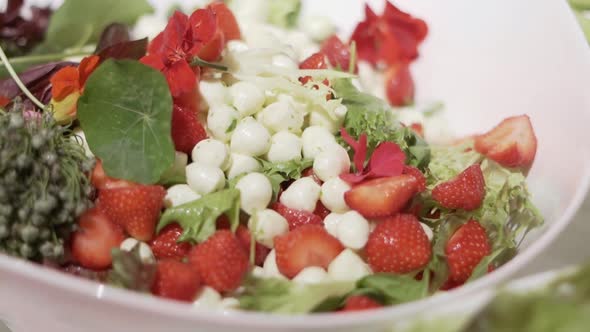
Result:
[
  {"x": 382, "y": 197},
  {"x": 189, "y": 101},
  {"x": 94, "y": 239},
  {"x": 466, "y": 191},
  {"x": 337, "y": 52},
  {"x": 165, "y": 244},
  {"x": 398, "y": 245},
  {"x": 243, "y": 235},
  {"x": 136, "y": 208},
  {"x": 226, "y": 21},
  {"x": 315, "y": 61},
  {"x": 176, "y": 280},
  {"x": 187, "y": 131},
  {"x": 465, "y": 249},
  {"x": 308, "y": 245},
  {"x": 100, "y": 180},
  {"x": 359, "y": 303},
  {"x": 512, "y": 143},
  {"x": 418, "y": 175},
  {"x": 321, "y": 210},
  {"x": 399, "y": 85},
  {"x": 221, "y": 261},
  {"x": 297, "y": 218}
]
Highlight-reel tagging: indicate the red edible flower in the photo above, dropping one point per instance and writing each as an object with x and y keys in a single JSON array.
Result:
[
  {"x": 387, "y": 159},
  {"x": 4, "y": 101}
]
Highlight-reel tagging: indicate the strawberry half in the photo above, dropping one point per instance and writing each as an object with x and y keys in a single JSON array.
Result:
[
  {"x": 466, "y": 191},
  {"x": 165, "y": 244},
  {"x": 321, "y": 210},
  {"x": 136, "y": 208},
  {"x": 465, "y": 249},
  {"x": 100, "y": 180},
  {"x": 308, "y": 245},
  {"x": 359, "y": 303},
  {"x": 94, "y": 239},
  {"x": 243, "y": 235},
  {"x": 382, "y": 197},
  {"x": 187, "y": 131},
  {"x": 399, "y": 85},
  {"x": 418, "y": 175},
  {"x": 512, "y": 143},
  {"x": 315, "y": 61},
  {"x": 337, "y": 52},
  {"x": 221, "y": 261},
  {"x": 297, "y": 218},
  {"x": 398, "y": 245},
  {"x": 176, "y": 280}
]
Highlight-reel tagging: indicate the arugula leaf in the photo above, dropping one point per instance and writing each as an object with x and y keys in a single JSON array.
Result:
[
  {"x": 278, "y": 173},
  {"x": 126, "y": 113},
  {"x": 286, "y": 297},
  {"x": 393, "y": 289},
  {"x": 198, "y": 218},
  {"x": 79, "y": 22},
  {"x": 130, "y": 272},
  {"x": 284, "y": 13},
  {"x": 370, "y": 115}
]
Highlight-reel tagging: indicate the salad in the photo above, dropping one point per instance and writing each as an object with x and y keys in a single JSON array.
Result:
[{"x": 244, "y": 157}]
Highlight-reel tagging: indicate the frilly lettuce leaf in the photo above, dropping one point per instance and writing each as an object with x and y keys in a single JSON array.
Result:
[
  {"x": 278, "y": 173},
  {"x": 198, "y": 218}
]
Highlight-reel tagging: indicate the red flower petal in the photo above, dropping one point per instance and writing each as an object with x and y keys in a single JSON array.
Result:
[
  {"x": 353, "y": 178},
  {"x": 181, "y": 78},
  {"x": 360, "y": 149},
  {"x": 64, "y": 82},
  {"x": 174, "y": 37},
  {"x": 203, "y": 27},
  {"x": 86, "y": 67},
  {"x": 153, "y": 60},
  {"x": 226, "y": 21},
  {"x": 4, "y": 101},
  {"x": 387, "y": 160},
  {"x": 157, "y": 44}
]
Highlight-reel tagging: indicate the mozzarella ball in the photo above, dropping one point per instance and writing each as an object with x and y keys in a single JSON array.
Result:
[
  {"x": 353, "y": 230},
  {"x": 247, "y": 98},
  {"x": 266, "y": 225},
  {"x": 302, "y": 194},
  {"x": 315, "y": 140},
  {"x": 322, "y": 120},
  {"x": 211, "y": 152},
  {"x": 311, "y": 275},
  {"x": 214, "y": 93},
  {"x": 237, "y": 46},
  {"x": 331, "y": 223},
  {"x": 428, "y": 231},
  {"x": 271, "y": 270},
  {"x": 179, "y": 194},
  {"x": 220, "y": 120},
  {"x": 284, "y": 61},
  {"x": 282, "y": 115},
  {"x": 332, "y": 195},
  {"x": 258, "y": 272},
  {"x": 255, "y": 192},
  {"x": 284, "y": 147},
  {"x": 145, "y": 252},
  {"x": 331, "y": 162},
  {"x": 250, "y": 138},
  {"x": 241, "y": 164},
  {"x": 348, "y": 266},
  {"x": 204, "y": 179},
  {"x": 208, "y": 299}
]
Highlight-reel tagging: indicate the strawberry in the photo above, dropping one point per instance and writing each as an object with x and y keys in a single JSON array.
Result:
[
  {"x": 221, "y": 261},
  {"x": 315, "y": 61},
  {"x": 100, "y": 180},
  {"x": 187, "y": 131},
  {"x": 465, "y": 249},
  {"x": 512, "y": 143},
  {"x": 297, "y": 218},
  {"x": 94, "y": 239},
  {"x": 359, "y": 303},
  {"x": 136, "y": 208},
  {"x": 309, "y": 172},
  {"x": 382, "y": 197},
  {"x": 165, "y": 244},
  {"x": 337, "y": 52},
  {"x": 308, "y": 245},
  {"x": 466, "y": 191},
  {"x": 243, "y": 235},
  {"x": 398, "y": 245},
  {"x": 399, "y": 85},
  {"x": 418, "y": 175},
  {"x": 321, "y": 210},
  {"x": 176, "y": 280}
]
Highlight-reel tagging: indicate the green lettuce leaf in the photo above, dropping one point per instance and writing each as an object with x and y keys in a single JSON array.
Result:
[
  {"x": 370, "y": 115},
  {"x": 278, "y": 173},
  {"x": 130, "y": 271},
  {"x": 392, "y": 289},
  {"x": 198, "y": 218},
  {"x": 284, "y": 13}
]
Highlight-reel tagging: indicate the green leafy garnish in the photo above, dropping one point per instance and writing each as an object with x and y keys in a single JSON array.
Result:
[
  {"x": 130, "y": 271},
  {"x": 372, "y": 116},
  {"x": 278, "y": 173},
  {"x": 198, "y": 218},
  {"x": 126, "y": 113},
  {"x": 284, "y": 13},
  {"x": 393, "y": 289}
]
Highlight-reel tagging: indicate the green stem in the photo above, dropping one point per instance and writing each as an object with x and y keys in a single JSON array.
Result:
[
  {"x": 18, "y": 81},
  {"x": 45, "y": 57},
  {"x": 202, "y": 63}
]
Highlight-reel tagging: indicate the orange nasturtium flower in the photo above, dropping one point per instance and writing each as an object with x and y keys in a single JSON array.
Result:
[{"x": 67, "y": 85}]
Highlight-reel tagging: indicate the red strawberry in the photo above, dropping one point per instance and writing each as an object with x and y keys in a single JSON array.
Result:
[
  {"x": 512, "y": 143},
  {"x": 465, "y": 249},
  {"x": 466, "y": 191},
  {"x": 187, "y": 131},
  {"x": 94, "y": 239},
  {"x": 399, "y": 85},
  {"x": 398, "y": 245},
  {"x": 100, "y": 180},
  {"x": 315, "y": 61},
  {"x": 418, "y": 175},
  {"x": 321, "y": 210},
  {"x": 309, "y": 172},
  {"x": 176, "y": 280},
  {"x": 337, "y": 52},
  {"x": 297, "y": 218},
  {"x": 243, "y": 235},
  {"x": 359, "y": 303},
  {"x": 165, "y": 244},
  {"x": 308, "y": 245},
  {"x": 136, "y": 208},
  {"x": 221, "y": 261},
  {"x": 382, "y": 197}
]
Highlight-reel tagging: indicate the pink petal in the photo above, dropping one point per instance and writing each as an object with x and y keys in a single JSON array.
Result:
[
  {"x": 387, "y": 160},
  {"x": 353, "y": 178}
]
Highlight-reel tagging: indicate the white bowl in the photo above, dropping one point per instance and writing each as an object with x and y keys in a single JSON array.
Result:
[{"x": 486, "y": 60}]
